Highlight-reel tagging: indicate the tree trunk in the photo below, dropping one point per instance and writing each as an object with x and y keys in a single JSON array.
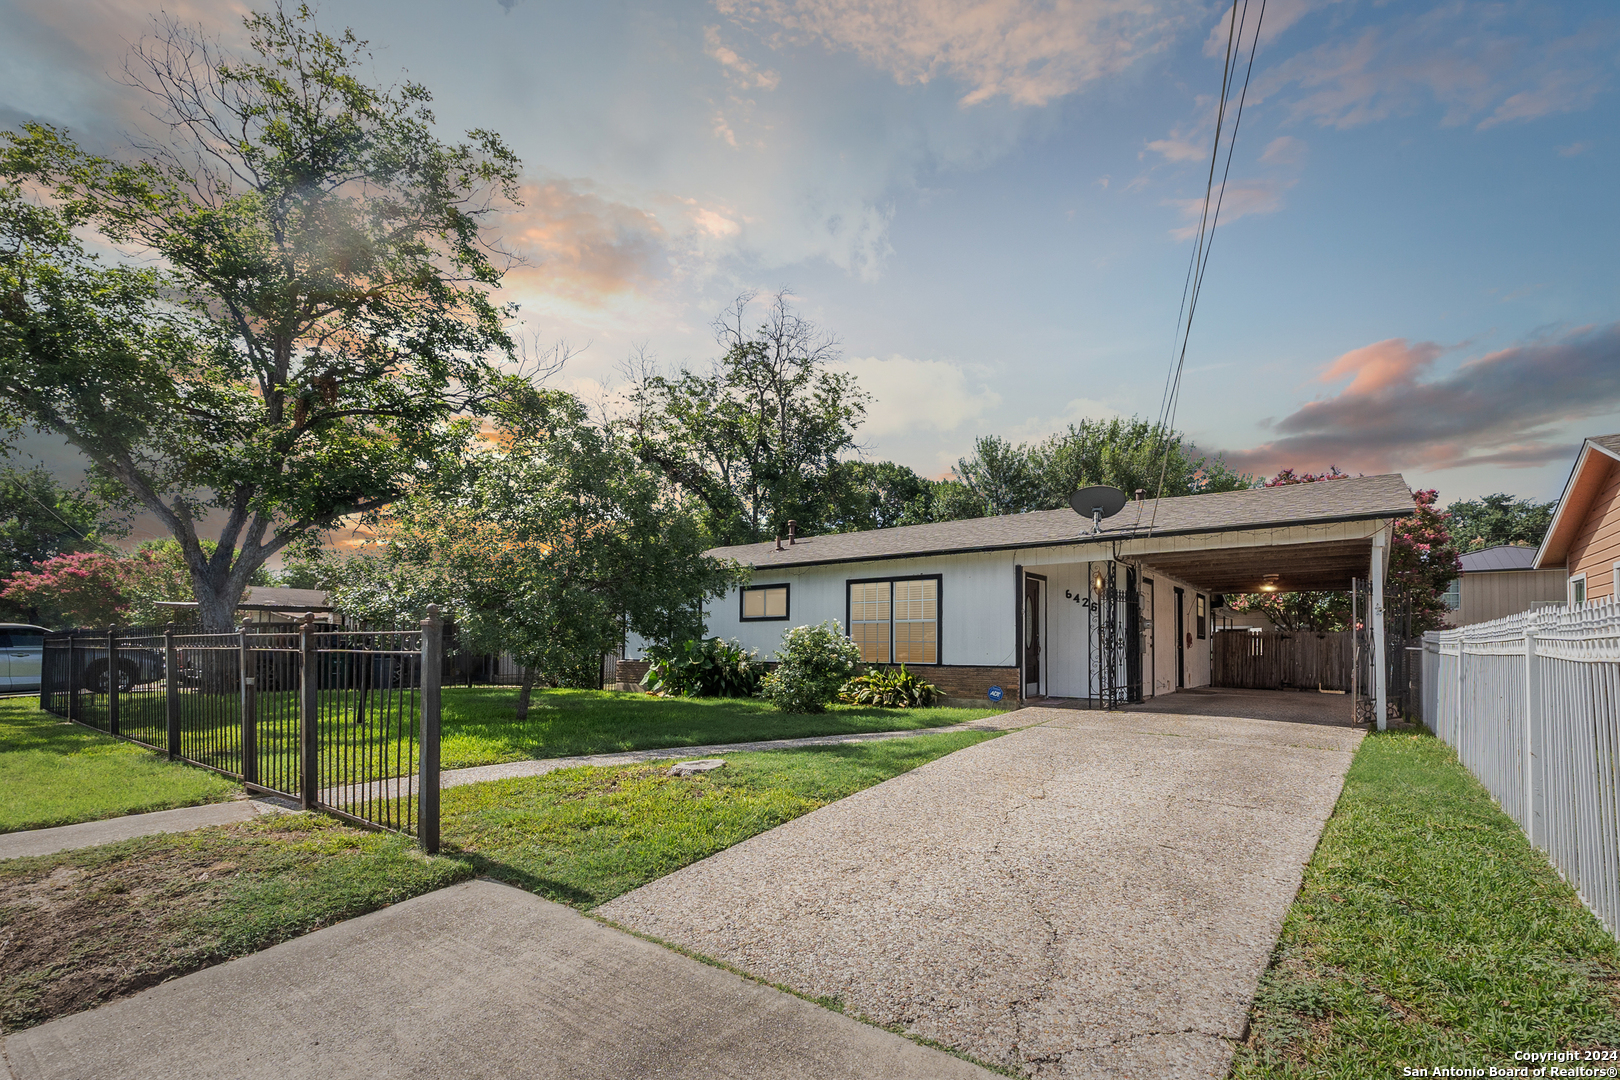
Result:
[{"x": 524, "y": 692}]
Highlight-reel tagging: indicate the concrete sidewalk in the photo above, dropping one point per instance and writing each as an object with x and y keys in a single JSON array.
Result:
[
  {"x": 1093, "y": 897},
  {"x": 476, "y": 980},
  {"x": 111, "y": 830}
]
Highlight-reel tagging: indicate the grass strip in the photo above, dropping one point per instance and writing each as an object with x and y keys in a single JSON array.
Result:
[
  {"x": 56, "y": 773},
  {"x": 1427, "y": 932},
  {"x": 584, "y": 836},
  {"x": 480, "y": 727},
  {"x": 80, "y": 928}
]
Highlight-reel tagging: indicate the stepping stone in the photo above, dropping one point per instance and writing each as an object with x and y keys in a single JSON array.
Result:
[{"x": 692, "y": 768}]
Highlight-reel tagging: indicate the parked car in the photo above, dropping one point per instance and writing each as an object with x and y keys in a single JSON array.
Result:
[{"x": 22, "y": 649}]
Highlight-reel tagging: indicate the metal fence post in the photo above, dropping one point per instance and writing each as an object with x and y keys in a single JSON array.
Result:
[
  {"x": 1533, "y": 782},
  {"x": 308, "y": 720},
  {"x": 171, "y": 690},
  {"x": 250, "y": 711},
  {"x": 72, "y": 678},
  {"x": 112, "y": 681},
  {"x": 427, "y": 774}
]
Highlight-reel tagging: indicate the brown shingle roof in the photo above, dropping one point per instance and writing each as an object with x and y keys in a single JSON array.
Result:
[{"x": 1354, "y": 499}]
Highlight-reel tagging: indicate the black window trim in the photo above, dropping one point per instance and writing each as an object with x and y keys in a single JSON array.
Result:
[
  {"x": 787, "y": 607},
  {"x": 939, "y": 613},
  {"x": 1201, "y": 619}
]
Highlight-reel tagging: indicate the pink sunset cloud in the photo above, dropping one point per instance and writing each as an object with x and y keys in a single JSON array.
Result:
[{"x": 1507, "y": 408}]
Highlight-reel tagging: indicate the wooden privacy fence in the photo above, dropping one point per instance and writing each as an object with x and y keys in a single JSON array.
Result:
[
  {"x": 1279, "y": 660},
  {"x": 1531, "y": 703},
  {"x": 343, "y": 720}
]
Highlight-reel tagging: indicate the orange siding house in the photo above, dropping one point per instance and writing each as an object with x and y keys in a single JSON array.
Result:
[{"x": 1585, "y": 534}]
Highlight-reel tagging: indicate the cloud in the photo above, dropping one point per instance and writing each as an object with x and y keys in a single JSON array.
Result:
[
  {"x": 1240, "y": 200},
  {"x": 1028, "y": 51},
  {"x": 1284, "y": 150},
  {"x": 1508, "y": 408},
  {"x": 582, "y": 246},
  {"x": 1574, "y": 149},
  {"x": 912, "y": 396},
  {"x": 1452, "y": 55},
  {"x": 745, "y": 74}
]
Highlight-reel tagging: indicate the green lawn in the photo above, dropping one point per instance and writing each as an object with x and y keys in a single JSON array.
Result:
[
  {"x": 479, "y": 725},
  {"x": 56, "y": 773},
  {"x": 1427, "y": 932},
  {"x": 83, "y": 927},
  {"x": 583, "y": 836}
]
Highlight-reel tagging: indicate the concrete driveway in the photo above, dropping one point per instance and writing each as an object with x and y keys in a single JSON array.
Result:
[
  {"x": 1093, "y": 897},
  {"x": 476, "y": 980}
]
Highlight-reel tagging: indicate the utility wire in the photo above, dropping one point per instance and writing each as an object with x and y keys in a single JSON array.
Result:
[{"x": 1206, "y": 237}]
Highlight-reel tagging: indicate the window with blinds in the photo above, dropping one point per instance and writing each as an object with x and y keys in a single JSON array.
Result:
[
  {"x": 897, "y": 621},
  {"x": 764, "y": 602}
]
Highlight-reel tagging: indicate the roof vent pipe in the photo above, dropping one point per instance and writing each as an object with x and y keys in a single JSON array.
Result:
[
  {"x": 778, "y": 543},
  {"x": 793, "y": 531},
  {"x": 1141, "y": 493}
]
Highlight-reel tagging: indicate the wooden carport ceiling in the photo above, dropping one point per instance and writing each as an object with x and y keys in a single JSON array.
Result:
[{"x": 1328, "y": 566}]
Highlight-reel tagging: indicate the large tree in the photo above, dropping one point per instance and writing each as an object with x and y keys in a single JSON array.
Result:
[
  {"x": 1499, "y": 519},
  {"x": 41, "y": 519},
  {"x": 757, "y": 440},
  {"x": 314, "y": 309},
  {"x": 1127, "y": 454},
  {"x": 550, "y": 547}
]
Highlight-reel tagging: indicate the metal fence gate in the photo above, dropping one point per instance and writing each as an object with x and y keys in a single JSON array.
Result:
[
  {"x": 344, "y": 721},
  {"x": 1531, "y": 703}
]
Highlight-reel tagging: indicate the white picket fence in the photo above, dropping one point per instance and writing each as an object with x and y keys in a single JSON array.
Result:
[{"x": 1531, "y": 703}]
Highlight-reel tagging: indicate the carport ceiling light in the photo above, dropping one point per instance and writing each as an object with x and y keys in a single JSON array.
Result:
[{"x": 1269, "y": 584}]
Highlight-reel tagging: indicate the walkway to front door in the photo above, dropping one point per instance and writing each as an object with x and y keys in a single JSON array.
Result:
[{"x": 1093, "y": 897}]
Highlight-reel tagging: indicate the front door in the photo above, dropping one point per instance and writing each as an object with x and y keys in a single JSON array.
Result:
[
  {"x": 1181, "y": 638},
  {"x": 1034, "y": 623}
]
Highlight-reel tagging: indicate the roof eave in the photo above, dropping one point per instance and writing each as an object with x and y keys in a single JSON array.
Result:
[
  {"x": 1088, "y": 539},
  {"x": 1554, "y": 549}
]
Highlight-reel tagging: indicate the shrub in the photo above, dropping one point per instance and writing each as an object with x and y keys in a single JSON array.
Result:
[
  {"x": 707, "y": 668},
  {"x": 890, "y": 689},
  {"x": 814, "y": 662}
]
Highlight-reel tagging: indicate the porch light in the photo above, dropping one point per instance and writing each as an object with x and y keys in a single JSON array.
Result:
[
  {"x": 1097, "y": 582},
  {"x": 1269, "y": 584}
]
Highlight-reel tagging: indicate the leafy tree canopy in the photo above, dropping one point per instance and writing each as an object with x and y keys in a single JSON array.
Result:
[
  {"x": 551, "y": 547},
  {"x": 318, "y": 310},
  {"x": 40, "y": 519},
  {"x": 1126, "y": 454},
  {"x": 1499, "y": 519},
  {"x": 756, "y": 440}
]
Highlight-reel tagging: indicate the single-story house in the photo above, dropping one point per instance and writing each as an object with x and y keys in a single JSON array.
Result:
[
  {"x": 272, "y": 603},
  {"x": 1500, "y": 581},
  {"x": 1584, "y": 537},
  {"x": 1055, "y": 604}
]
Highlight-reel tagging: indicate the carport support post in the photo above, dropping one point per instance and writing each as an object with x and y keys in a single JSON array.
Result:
[
  {"x": 427, "y": 773},
  {"x": 171, "y": 690},
  {"x": 1532, "y": 740},
  {"x": 308, "y": 704},
  {"x": 1380, "y": 665},
  {"x": 112, "y": 681}
]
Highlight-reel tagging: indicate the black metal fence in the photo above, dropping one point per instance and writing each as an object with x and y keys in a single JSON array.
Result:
[{"x": 345, "y": 721}]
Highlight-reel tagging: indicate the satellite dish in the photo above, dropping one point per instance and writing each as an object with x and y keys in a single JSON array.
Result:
[{"x": 1095, "y": 502}]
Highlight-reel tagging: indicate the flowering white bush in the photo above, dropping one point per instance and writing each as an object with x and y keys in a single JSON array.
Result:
[{"x": 814, "y": 662}]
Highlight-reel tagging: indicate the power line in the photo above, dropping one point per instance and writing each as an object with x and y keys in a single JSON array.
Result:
[{"x": 1199, "y": 262}]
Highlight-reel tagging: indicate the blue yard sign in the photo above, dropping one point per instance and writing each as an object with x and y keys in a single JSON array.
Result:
[{"x": 995, "y": 693}]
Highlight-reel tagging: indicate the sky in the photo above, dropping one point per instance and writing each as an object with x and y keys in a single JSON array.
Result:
[{"x": 992, "y": 205}]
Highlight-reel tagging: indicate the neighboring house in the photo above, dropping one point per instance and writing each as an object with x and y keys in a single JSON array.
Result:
[
  {"x": 1051, "y": 604},
  {"x": 272, "y": 603},
  {"x": 1500, "y": 581},
  {"x": 1584, "y": 538}
]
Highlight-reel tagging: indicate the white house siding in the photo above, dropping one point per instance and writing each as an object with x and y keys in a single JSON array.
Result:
[{"x": 975, "y": 603}]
